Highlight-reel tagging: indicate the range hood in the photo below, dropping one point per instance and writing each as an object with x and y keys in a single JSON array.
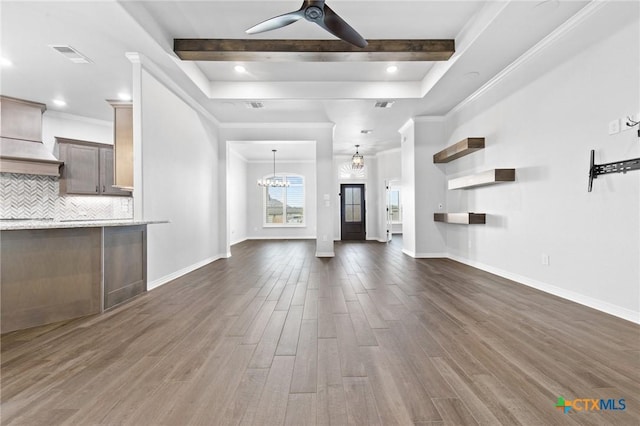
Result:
[{"x": 21, "y": 147}]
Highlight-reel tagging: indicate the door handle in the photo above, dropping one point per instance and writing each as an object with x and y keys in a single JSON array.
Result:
[
  {"x": 103, "y": 188},
  {"x": 97, "y": 188}
]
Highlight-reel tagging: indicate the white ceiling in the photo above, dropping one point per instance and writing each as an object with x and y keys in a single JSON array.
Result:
[
  {"x": 286, "y": 151},
  {"x": 489, "y": 36}
]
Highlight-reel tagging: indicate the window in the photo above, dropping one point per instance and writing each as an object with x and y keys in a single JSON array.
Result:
[{"x": 284, "y": 206}]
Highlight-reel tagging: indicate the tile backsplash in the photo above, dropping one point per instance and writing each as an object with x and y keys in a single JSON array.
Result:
[{"x": 38, "y": 197}]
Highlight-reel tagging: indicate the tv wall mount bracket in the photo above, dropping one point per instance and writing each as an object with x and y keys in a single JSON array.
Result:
[{"x": 596, "y": 170}]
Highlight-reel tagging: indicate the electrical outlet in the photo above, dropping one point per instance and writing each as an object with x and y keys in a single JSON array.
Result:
[
  {"x": 545, "y": 259},
  {"x": 627, "y": 122},
  {"x": 440, "y": 206},
  {"x": 614, "y": 126}
]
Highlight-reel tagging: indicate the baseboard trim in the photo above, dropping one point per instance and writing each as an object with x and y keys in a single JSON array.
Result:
[
  {"x": 241, "y": 240},
  {"x": 409, "y": 253},
  {"x": 606, "y": 307},
  {"x": 431, "y": 255},
  {"x": 425, "y": 255},
  {"x": 313, "y": 237},
  {"x": 325, "y": 254},
  {"x": 177, "y": 274}
]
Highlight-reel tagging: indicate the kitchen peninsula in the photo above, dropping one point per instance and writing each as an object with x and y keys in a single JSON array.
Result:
[{"x": 58, "y": 270}]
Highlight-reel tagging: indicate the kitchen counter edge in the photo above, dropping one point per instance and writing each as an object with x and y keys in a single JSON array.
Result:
[{"x": 52, "y": 224}]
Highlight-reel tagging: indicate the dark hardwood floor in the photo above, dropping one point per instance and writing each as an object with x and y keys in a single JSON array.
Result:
[{"x": 276, "y": 336}]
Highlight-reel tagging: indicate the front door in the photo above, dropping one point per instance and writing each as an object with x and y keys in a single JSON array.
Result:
[{"x": 352, "y": 211}]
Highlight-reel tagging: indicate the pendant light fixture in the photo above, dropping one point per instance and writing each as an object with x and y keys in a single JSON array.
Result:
[
  {"x": 273, "y": 182},
  {"x": 357, "y": 161}
]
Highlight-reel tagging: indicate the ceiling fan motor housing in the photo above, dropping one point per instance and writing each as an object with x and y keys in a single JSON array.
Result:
[{"x": 313, "y": 13}]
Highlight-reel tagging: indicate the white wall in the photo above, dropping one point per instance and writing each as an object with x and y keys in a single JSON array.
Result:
[
  {"x": 429, "y": 188},
  {"x": 389, "y": 169},
  {"x": 408, "y": 181},
  {"x": 543, "y": 118},
  {"x": 74, "y": 127},
  {"x": 179, "y": 170},
  {"x": 237, "y": 188},
  {"x": 254, "y": 194},
  {"x": 371, "y": 195},
  {"x": 322, "y": 135}
]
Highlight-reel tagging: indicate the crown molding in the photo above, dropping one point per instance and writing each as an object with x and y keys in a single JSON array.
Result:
[
  {"x": 281, "y": 162},
  {"x": 279, "y": 125},
  {"x": 406, "y": 125},
  {"x": 471, "y": 31},
  {"x": 156, "y": 72},
  {"x": 236, "y": 153},
  {"x": 133, "y": 57},
  {"x": 570, "y": 24}
]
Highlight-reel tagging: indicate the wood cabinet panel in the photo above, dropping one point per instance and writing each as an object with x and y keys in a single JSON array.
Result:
[
  {"x": 106, "y": 174},
  {"x": 81, "y": 169},
  {"x": 123, "y": 144},
  {"x": 125, "y": 263},
  {"x": 88, "y": 168},
  {"x": 49, "y": 276},
  {"x": 21, "y": 119}
]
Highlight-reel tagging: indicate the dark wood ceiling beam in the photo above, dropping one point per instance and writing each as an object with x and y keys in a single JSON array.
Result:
[{"x": 311, "y": 50}]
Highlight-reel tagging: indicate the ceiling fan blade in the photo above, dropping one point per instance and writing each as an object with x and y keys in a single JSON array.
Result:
[
  {"x": 339, "y": 28},
  {"x": 277, "y": 22}
]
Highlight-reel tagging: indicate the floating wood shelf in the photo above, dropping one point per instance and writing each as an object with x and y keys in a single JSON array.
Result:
[
  {"x": 460, "y": 149},
  {"x": 489, "y": 177},
  {"x": 461, "y": 218}
]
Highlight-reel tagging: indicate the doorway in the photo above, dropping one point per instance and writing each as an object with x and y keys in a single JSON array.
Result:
[{"x": 352, "y": 211}]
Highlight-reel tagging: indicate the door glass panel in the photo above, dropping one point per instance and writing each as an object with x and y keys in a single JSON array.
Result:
[
  {"x": 348, "y": 196},
  {"x": 352, "y": 205},
  {"x": 348, "y": 210},
  {"x": 357, "y": 217},
  {"x": 356, "y": 196}
]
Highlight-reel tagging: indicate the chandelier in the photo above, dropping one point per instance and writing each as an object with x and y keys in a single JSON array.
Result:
[
  {"x": 357, "y": 161},
  {"x": 273, "y": 182}
]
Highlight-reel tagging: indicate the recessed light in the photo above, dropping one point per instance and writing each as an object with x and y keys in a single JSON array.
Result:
[
  {"x": 124, "y": 96},
  {"x": 240, "y": 69},
  {"x": 392, "y": 69},
  {"x": 59, "y": 102},
  {"x": 4, "y": 62}
]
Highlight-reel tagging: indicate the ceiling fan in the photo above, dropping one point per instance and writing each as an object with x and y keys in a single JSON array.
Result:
[{"x": 321, "y": 14}]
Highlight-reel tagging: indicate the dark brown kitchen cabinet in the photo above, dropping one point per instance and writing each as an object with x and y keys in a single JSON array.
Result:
[{"x": 88, "y": 168}]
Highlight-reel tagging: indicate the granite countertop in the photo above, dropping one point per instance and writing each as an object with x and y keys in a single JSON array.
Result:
[{"x": 13, "y": 225}]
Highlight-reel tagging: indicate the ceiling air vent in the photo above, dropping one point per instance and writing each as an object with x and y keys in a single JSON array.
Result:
[
  {"x": 71, "y": 54},
  {"x": 384, "y": 104},
  {"x": 255, "y": 105}
]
